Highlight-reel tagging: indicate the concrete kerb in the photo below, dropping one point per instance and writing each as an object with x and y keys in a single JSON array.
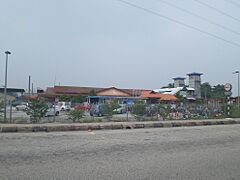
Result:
[
  {"x": 8, "y": 129},
  {"x": 190, "y": 124},
  {"x": 112, "y": 126},
  {"x": 24, "y": 129},
  {"x": 138, "y": 126}
]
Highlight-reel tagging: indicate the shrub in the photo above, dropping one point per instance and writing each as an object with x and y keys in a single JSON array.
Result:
[
  {"x": 108, "y": 109},
  {"x": 234, "y": 112},
  {"x": 139, "y": 109},
  {"x": 76, "y": 114},
  {"x": 37, "y": 108},
  {"x": 78, "y": 99},
  {"x": 65, "y": 98},
  {"x": 1, "y": 108},
  {"x": 164, "y": 110}
]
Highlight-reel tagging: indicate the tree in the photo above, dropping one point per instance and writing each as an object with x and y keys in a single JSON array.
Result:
[
  {"x": 170, "y": 85},
  {"x": 108, "y": 109},
  {"x": 37, "y": 108},
  {"x": 76, "y": 114},
  {"x": 218, "y": 91},
  {"x": 206, "y": 90},
  {"x": 139, "y": 109},
  {"x": 179, "y": 97},
  {"x": 163, "y": 110},
  {"x": 92, "y": 93},
  {"x": 78, "y": 99},
  {"x": 65, "y": 98}
]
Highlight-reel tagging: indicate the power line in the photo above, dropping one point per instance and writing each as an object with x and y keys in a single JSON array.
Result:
[
  {"x": 233, "y": 2},
  {"x": 200, "y": 17},
  {"x": 178, "y": 22},
  {"x": 217, "y": 10}
]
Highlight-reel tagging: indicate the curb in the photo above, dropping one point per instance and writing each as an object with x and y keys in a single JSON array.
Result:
[{"x": 113, "y": 126}]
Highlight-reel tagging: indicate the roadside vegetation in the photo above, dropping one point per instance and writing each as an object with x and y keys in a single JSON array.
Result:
[
  {"x": 139, "y": 109},
  {"x": 1, "y": 110},
  {"x": 108, "y": 109},
  {"x": 36, "y": 109},
  {"x": 76, "y": 115}
]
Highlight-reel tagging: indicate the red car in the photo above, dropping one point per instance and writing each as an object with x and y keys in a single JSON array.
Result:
[{"x": 85, "y": 108}]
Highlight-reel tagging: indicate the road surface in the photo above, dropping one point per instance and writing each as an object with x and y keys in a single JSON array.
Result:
[{"x": 211, "y": 153}]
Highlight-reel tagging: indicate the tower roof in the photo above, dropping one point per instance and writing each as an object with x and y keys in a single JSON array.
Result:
[
  {"x": 195, "y": 74},
  {"x": 179, "y": 78}
]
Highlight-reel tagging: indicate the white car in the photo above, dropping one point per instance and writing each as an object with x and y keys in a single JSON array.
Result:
[
  {"x": 22, "y": 107},
  {"x": 50, "y": 111},
  {"x": 64, "y": 106},
  {"x": 121, "y": 110}
]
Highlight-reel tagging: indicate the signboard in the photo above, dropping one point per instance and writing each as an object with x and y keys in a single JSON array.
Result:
[
  {"x": 228, "y": 87},
  {"x": 228, "y": 93}
]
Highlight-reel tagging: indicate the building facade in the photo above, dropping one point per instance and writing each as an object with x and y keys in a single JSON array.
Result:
[
  {"x": 179, "y": 82},
  {"x": 195, "y": 83}
]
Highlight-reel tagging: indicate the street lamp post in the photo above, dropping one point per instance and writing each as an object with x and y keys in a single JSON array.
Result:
[
  {"x": 237, "y": 72},
  {"x": 5, "y": 87}
]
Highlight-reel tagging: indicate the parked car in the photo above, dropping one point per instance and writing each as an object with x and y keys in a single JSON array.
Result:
[
  {"x": 64, "y": 106},
  {"x": 50, "y": 111},
  {"x": 82, "y": 107},
  {"x": 97, "y": 110},
  {"x": 21, "y": 107},
  {"x": 122, "y": 109},
  {"x": 17, "y": 102}
]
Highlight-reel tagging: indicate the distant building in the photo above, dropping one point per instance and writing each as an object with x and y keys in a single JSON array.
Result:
[
  {"x": 155, "y": 95},
  {"x": 186, "y": 92},
  {"x": 9, "y": 98},
  {"x": 179, "y": 82},
  {"x": 195, "y": 83},
  {"x": 102, "y": 94},
  {"x": 190, "y": 92},
  {"x": 15, "y": 92}
]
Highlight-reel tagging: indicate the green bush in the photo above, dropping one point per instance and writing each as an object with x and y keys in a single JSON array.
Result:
[
  {"x": 164, "y": 110},
  {"x": 108, "y": 109},
  {"x": 76, "y": 115},
  {"x": 78, "y": 99},
  {"x": 138, "y": 109},
  {"x": 234, "y": 112},
  {"x": 1, "y": 108},
  {"x": 37, "y": 109},
  {"x": 65, "y": 98}
]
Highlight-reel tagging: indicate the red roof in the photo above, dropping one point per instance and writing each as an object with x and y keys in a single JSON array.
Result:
[
  {"x": 163, "y": 97},
  {"x": 73, "y": 90}
]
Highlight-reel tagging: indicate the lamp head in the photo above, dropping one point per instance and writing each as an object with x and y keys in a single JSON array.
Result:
[{"x": 7, "y": 52}]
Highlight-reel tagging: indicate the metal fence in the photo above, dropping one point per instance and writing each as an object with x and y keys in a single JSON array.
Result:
[{"x": 179, "y": 111}]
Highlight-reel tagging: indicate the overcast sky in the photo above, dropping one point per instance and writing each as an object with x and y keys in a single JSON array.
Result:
[{"x": 106, "y": 43}]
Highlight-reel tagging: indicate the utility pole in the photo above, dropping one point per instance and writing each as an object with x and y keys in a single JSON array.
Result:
[
  {"x": 237, "y": 72},
  {"x": 29, "y": 86},
  {"x": 5, "y": 87},
  {"x": 11, "y": 112},
  {"x": 54, "y": 110},
  {"x": 238, "y": 92},
  {"x": 32, "y": 89}
]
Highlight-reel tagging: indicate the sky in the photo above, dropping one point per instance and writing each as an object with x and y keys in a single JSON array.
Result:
[{"x": 105, "y": 43}]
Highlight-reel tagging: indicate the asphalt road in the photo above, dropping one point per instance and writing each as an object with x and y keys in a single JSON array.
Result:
[{"x": 170, "y": 153}]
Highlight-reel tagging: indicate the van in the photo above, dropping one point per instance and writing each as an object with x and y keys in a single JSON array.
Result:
[{"x": 97, "y": 110}]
